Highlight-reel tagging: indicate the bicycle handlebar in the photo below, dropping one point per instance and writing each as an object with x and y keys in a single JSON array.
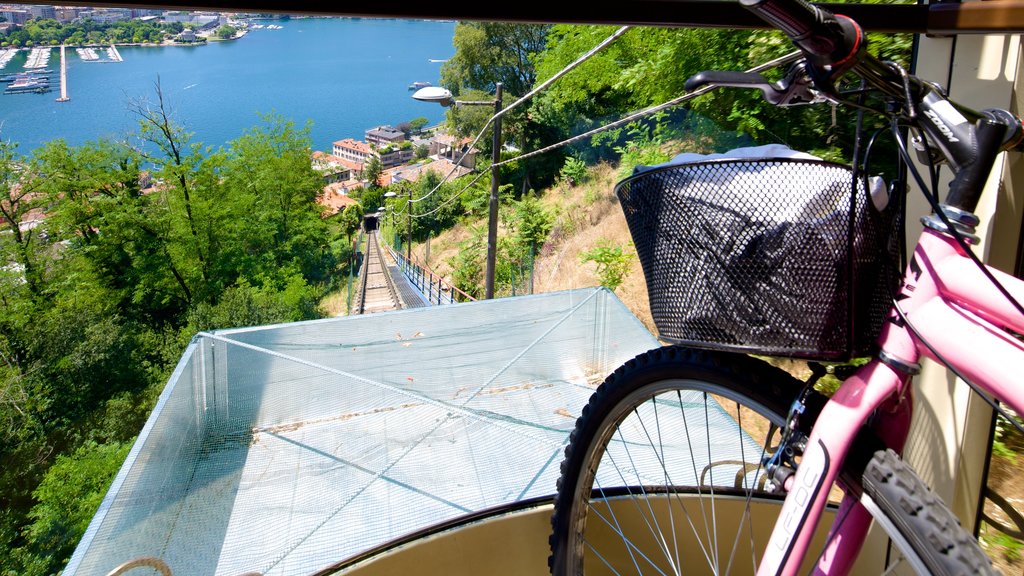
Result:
[
  {"x": 827, "y": 40},
  {"x": 834, "y": 44}
]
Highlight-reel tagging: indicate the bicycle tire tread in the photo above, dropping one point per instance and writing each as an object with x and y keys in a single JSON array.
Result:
[{"x": 922, "y": 518}]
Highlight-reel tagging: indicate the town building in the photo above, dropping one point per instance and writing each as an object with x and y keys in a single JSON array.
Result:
[
  {"x": 335, "y": 196},
  {"x": 334, "y": 168},
  {"x": 200, "y": 21},
  {"x": 392, "y": 155},
  {"x": 453, "y": 148},
  {"x": 186, "y": 36},
  {"x": 65, "y": 14},
  {"x": 413, "y": 172},
  {"x": 353, "y": 151},
  {"x": 16, "y": 17},
  {"x": 46, "y": 12},
  {"x": 384, "y": 135},
  {"x": 106, "y": 15}
]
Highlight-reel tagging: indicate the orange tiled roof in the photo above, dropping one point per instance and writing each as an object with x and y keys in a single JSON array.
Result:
[
  {"x": 354, "y": 145},
  {"x": 335, "y": 199}
]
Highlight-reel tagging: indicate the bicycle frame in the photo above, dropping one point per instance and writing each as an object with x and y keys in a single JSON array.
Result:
[{"x": 954, "y": 308}]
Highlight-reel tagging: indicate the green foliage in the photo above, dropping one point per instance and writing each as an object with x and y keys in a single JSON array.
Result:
[
  {"x": 468, "y": 265},
  {"x": 50, "y": 32},
  {"x": 244, "y": 305},
  {"x": 372, "y": 171},
  {"x": 530, "y": 223},
  {"x": 612, "y": 263},
  {"x": 417, "y": 124},
  {"x": 1008, "y": 442},
  {"x": 226, "y": 31},
  {"x": 490, "y": 52},
  {"x": 574, "y": 171},
  {"x": 351, "y": 218},
  {"x": 642, "y": 149},
  {"x": 67, "y": 497},
  {"x": 100, "y": 299}
]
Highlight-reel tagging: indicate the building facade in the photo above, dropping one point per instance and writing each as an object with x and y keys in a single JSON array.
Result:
[{"x": 384, "y": 135}]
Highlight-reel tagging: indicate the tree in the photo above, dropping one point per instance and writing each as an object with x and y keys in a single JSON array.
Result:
[
  {"x": 490, "y": 52},
  {"x": 67, "y": 499},
  {"x": 18, "y": 199},
  {"x": 372, "y": 171},
  {"x": 225, "y": 32},
  {"x": 612, "y": 263},
  {"x": 351, "y": 218},
  {"x": 417, "y": 124}
]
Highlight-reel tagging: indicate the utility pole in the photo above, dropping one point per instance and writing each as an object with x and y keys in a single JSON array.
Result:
[{"x": 492, "y": 214}]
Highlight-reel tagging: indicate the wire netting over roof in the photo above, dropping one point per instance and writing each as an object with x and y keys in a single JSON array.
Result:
[{"x": 283, "y": 449}]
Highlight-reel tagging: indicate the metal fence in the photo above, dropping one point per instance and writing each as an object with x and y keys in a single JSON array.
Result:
[{"x": 434, "y": 288}]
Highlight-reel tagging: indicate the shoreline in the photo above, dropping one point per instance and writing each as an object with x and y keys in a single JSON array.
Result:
[{"x": 241, "y": 34}]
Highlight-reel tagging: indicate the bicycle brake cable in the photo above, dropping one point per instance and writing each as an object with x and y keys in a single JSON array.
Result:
[
  {"x": 937, "y": 209},
  {"x": 988, "y": 400}
]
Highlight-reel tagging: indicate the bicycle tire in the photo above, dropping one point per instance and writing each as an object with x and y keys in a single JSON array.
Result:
[
  {"x": 695, "y": 377},
  {"x": 892, "y": 493},
  {"x": 918, "y": 522}
]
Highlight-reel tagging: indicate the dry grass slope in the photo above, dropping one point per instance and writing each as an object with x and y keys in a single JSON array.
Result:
[{"x": 583, "y": 216}]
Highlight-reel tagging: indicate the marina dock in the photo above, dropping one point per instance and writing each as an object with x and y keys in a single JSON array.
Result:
[
  {"x": 38, "y": 58},
  {"x": 63, "y": 75},
  {"x": 6, "y": 55}
]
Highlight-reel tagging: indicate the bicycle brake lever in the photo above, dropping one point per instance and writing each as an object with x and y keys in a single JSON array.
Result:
[{"x": 796, "y": 88}]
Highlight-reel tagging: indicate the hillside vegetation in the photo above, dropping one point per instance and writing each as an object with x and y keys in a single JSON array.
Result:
[{"x": 584, "y": 217}]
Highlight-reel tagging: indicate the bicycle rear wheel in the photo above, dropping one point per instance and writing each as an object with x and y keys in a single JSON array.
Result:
[{"x": 663, "y": 472}]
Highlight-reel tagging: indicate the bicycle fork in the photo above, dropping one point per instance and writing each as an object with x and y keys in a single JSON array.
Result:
[{"x": 877, "y": 394}]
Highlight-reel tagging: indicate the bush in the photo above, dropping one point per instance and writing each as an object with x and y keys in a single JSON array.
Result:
[
  {"x": 574, "y": 171},
  {"x": 67, "y": 499},
  {"x": 612, "y": 263}
]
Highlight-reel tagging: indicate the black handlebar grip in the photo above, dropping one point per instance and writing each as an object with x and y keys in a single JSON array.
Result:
[{"x": 819, "y": 33}]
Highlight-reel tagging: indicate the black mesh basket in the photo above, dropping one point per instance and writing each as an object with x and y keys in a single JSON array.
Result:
[{"x": 763, "y": 256}]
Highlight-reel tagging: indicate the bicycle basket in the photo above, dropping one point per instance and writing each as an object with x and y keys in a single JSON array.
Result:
[{"x": 763, "y": 256}]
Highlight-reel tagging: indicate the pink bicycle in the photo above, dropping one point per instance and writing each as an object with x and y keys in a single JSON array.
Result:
[{"x": 699, "y": 458}]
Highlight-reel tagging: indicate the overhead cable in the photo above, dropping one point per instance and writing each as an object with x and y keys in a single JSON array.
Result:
[{"x": 615, "y": 36}]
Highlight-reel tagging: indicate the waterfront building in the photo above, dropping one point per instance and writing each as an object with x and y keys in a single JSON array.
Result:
[
  {"x": 106, "y": 15},
  {"x": 65, "y": 14},
  {"x": 186, "y": 36},
  {"x": 16, "y": 17},
  {"x": 353, "y": 151},
  {"x": 384, "y": 135},
  {"x": 46, "y": 12}
]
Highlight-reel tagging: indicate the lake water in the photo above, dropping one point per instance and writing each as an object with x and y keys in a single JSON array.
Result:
[{"x": 345, "y": 75}]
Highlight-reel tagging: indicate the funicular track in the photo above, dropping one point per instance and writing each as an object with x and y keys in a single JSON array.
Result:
[{"x": 376, "y": 291}]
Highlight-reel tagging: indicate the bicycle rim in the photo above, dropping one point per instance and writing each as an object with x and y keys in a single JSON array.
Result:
[{"x": 663, "y": 474}]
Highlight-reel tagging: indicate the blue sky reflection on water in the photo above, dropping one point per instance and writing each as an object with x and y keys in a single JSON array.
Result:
[{"x": 346, "y": 75}]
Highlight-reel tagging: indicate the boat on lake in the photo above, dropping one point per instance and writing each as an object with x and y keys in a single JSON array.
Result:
[
  {"x": 28, "y": 84},
  {"x": 418, "y": 85}
]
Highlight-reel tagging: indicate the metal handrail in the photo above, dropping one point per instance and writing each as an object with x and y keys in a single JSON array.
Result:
[{"x": 432, "y": 285}]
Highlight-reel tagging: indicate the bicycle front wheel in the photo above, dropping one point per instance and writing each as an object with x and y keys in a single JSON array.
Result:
[{"x": 664, "y": 474}]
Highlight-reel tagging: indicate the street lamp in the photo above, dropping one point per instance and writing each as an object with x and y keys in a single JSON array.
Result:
[{"x": 445, "y": 98}]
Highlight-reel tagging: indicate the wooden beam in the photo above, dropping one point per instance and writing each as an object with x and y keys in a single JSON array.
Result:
[{"x": 938, "y": 18}]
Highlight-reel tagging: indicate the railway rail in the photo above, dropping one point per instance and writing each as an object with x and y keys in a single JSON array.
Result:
[{"x": 376, "y": 291}]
